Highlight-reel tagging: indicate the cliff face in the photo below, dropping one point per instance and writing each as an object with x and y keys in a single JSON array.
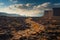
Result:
[{"x": 20, "y": 28}]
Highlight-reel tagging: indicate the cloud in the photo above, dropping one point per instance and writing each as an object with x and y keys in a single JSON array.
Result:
[
  {"x": 26, "y": 9},
  {"x": 43, "y": 6},
  {"x": 57, "y": 4},
  {"x": 1, "y": 3},
  {"x": 14, "y": 1},
  {"x": 28, "y": 5}
]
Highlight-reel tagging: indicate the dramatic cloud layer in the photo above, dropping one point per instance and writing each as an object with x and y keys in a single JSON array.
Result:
[{"x": 28, "y": 10}]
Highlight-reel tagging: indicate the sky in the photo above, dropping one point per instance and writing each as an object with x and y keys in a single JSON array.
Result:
[{"x": 29, "y": 8}]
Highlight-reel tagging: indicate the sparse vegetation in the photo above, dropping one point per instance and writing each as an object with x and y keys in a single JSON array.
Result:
[{"x": 27, "y": 29}]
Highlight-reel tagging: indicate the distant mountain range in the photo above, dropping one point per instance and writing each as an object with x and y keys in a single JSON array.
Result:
[
  {"x": 14, "y": 15},
  {"x": 10, "y": 15}
]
